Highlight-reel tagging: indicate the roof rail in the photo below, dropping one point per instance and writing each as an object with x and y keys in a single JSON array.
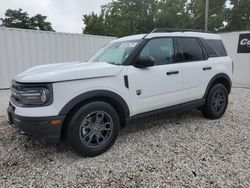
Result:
[{"x": 169, "y": 30}]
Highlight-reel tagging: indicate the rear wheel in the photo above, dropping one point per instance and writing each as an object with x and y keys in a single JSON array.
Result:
[
  {"x": 216, "y": 102},
  {"x": 93, "y": 129}
]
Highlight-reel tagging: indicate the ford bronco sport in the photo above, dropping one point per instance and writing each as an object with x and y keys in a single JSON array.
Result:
[{"x": 86, "y": 103}]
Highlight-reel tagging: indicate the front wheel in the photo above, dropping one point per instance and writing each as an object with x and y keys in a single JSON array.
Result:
[
  {"x": 216, "y": 102},
  {"x": 93, "y": 129}
]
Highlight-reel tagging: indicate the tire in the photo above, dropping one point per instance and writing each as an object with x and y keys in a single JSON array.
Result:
[
  {"x": 93, "y": 129},
  {"x": 216, "y": 102}
]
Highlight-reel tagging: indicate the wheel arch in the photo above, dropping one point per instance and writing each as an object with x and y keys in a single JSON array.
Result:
[
  {"x": 221, "y": 78},
  {"x": 115, "y": 100}
]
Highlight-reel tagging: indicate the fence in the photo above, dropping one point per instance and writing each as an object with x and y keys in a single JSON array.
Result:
[
  {"x": 21, "y": 49},
  {"x": 241, "y": 61}
]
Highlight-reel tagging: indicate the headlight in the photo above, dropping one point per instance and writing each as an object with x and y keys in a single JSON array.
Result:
[
  {"x": 34, "y": 96},
  {"x": 31, "y": 96}
]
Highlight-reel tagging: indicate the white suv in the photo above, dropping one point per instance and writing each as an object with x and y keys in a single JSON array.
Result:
[{"x": 86, "y": 103}]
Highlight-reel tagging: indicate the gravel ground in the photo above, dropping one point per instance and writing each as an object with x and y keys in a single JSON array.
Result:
[{"x": 163, "y": 151}]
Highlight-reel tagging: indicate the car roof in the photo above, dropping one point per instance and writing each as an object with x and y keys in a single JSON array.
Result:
[
  {"x": 170, "y": 34},
  {"x": 185, "y": 34}
]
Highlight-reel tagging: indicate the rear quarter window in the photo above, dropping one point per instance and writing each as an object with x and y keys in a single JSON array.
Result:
[{"x": 218, "y": 46}]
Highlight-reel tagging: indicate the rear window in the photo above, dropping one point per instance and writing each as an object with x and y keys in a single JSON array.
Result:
[{"x": 218, "y": 46}]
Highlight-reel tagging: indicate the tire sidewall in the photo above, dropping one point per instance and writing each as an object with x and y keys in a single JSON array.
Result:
[
  {"x": 74, "y": 128},
  {"x": 209, "y": 101}
]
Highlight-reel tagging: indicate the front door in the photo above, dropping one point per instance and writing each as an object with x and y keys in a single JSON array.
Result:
[{"x": 158, "y": 86}]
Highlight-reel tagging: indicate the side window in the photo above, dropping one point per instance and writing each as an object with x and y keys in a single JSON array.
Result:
[
  {"x": 161, "y": 49},
  {"x": 188, "y": 49},
  {"x": 218, "y": 46},
  {"x": 210, "y": 50}
]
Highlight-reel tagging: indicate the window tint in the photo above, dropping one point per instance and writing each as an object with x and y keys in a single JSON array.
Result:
[
  {"x": 218, "y": 46},
  {"x": 188, "y": 49},
  {"x": 210, "y": 50},
  {"x": 160, "y": 49}
]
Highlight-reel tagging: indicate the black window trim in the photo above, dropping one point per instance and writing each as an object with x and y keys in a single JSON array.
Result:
[
  {"x": 133, "y": 55},
  {"x": 205, "y": 54}
]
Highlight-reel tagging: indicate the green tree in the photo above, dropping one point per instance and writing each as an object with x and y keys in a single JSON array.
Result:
[
  {"x": 38, "y": 22},
  {"x": 20, "y": 19},
  {"x": 126, "y": 17},
  {"x": 173, "y": 15},
  {"x": 17, "y": 19},
  {"x": 94, "y": 24},
  {"x": 238, "y": 17},
  {"x": 123, "y": 17},
  {"x": 196, "y": 10}
]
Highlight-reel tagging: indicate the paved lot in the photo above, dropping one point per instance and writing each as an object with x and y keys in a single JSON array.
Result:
[{"x": 167, "y": 150}]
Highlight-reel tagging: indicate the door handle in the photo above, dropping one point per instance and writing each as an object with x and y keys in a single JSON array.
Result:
[
  {"x": 207, "y": 68},
  {"x": 172, "y": 72}
]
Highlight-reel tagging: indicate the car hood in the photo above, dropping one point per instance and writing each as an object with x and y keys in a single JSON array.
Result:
[{"x": 68, "y": 71}]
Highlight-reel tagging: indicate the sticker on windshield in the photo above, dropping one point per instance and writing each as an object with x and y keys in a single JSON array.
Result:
[{"x": 128, "y": 45}]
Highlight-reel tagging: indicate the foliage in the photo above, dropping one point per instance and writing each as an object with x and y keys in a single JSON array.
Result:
[
  {"x": 94, "y": 24},
  {"x": 173, "y": 15},
  {"x": 126, "y": 17},
  {"x": 38, "y": 22},
  {"x": 20, "y": 19},
  {"x": 238, "y": 18},
  {"x": 196, "y": 10}
]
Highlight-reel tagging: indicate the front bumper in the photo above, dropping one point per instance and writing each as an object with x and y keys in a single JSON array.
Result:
[{"x": 39, "y": 127}]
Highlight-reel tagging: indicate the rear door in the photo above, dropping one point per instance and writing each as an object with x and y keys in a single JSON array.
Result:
[
  {"x": 218, "y": 59},
  {"x": 194, "y": 65}
]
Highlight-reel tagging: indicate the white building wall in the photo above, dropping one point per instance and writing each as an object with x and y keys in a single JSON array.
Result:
[
  {"x": 21, "y": 49},
  {"x": 241, "y": 61}
]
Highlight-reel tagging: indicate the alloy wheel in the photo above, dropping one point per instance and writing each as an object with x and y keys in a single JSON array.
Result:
[
  {"x": 218, "y": 101},
  {"x": 96, "y": 128}
]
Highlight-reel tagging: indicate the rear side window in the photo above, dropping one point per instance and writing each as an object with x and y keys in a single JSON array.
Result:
[
  {"x": 218, "y": 46},
  {"x": 188, "y": 49},
  {"x": 209, "y": 49}
]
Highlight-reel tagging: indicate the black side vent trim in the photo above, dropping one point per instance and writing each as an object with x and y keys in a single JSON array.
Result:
[{"x": 126, "y": 81}]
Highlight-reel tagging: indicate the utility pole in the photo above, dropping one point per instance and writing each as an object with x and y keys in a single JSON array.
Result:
[{"x": 206, "y": 14}]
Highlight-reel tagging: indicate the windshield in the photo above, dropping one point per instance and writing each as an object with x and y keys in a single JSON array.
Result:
[{"x": 115, "y": 53}]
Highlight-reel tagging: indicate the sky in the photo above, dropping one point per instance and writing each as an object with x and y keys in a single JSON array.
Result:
[{"x": 64, "y": 15}]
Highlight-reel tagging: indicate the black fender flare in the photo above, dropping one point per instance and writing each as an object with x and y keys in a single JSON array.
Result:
[
  {"x": 96, "y": 94},
  {"x": 218, "y": 76}
]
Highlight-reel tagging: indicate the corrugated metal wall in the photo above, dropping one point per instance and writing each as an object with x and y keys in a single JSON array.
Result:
[
  {"x": 21, "y": 49},
  {"x": 241, "y": 61}
]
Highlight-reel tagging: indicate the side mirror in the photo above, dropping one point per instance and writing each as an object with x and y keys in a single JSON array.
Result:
[{"x": 144, "y": 62}]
